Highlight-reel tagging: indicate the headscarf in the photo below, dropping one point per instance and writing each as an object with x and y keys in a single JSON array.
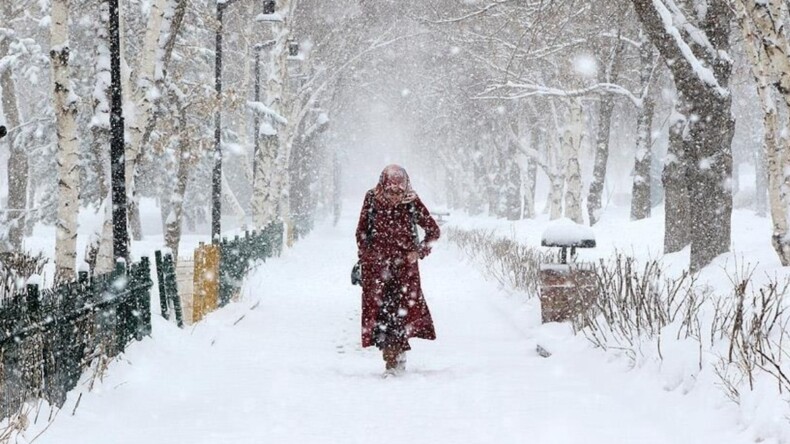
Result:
[{"x": 394, "y": 176}]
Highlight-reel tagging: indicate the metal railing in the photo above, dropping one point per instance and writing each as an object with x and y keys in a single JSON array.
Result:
[{"x": 49, "y": 337}]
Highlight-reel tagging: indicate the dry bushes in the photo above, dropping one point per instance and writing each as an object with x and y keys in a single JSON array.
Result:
[
  {"x": 637, "y": 302},
  {"x": 639, "y": 305},
  {"x": 15, "y": 269},
  {"x": 510, "y": 263},
  {"x": 755, "y": 325}
]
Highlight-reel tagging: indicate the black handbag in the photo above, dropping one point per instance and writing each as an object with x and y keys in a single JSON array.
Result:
[{"x": 356, "y": 274}]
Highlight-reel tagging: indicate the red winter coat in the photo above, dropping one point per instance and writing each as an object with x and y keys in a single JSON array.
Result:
[{"x": 384, "y": 263}]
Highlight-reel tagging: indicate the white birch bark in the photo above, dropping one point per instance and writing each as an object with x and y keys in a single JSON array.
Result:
[
  {"x": 554, "y": 167},
  {"x": 104, "y": 256},
  {"x": 556, "y": 172},
  {"x": 144, "y": 96},
  {"x": 100, "y": 127},
  {"x": 530, "y": 181},
  {"x": 68, "y": 145},
  {"x": 572, "y": 141},
  {"x": 17, "y": 170},
  {"x": 764, "y": 44},
  {"x": 268, "y": 202}
]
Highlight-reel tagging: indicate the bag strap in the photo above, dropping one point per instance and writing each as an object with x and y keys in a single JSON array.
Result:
[
  {"x": 414, "y": 233},
  {"x": 371, "y": 217}
]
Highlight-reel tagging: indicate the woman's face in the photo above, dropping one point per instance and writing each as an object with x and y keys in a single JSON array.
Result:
[{"x": 394, "y": 193}]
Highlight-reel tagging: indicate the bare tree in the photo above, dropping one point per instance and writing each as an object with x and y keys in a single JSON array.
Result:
[
  {"x": 640, "y": 200},
  {"x": 697, "y": 45}
]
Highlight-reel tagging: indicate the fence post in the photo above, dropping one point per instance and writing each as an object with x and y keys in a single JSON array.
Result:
[
  {"x": 143, "y": 285},
  {"x": 32, "y": 299},
  {"x": 119, "y": 283},
  {"x": 171, "y": 288},
  {"x": 33, "y": 378},
  {"x": 160, "y": 276},
  {"x": 225, "y": 263}
]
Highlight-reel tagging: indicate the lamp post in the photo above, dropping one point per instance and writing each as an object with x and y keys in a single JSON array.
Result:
[
  {"x": 216, "y": 177},
  {"x": 120, "y": 235}
]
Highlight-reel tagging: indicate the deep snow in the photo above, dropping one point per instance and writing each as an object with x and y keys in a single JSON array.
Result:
[{"x": 285, "y": 365}]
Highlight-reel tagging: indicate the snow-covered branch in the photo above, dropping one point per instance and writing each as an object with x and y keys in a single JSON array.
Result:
[
  {"x": 262, "y": 109},
  {"x": 531, "y": 90},
  {"x": 699, "y": 69},
  {"x": 472, "y": 14}
]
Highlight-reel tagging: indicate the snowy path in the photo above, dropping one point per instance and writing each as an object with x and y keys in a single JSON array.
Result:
[{"x": 291, "y": 371}]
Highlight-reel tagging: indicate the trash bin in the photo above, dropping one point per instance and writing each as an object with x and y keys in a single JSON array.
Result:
[{"x": 567, "y": 288}]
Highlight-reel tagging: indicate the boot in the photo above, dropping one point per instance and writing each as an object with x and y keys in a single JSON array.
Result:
[
  {"x": 400, "y": 362},
  {"x": 390, "y": 358}
]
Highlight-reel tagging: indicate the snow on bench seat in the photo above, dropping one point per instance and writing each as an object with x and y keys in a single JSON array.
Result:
[{"x": 567, "y": 233}]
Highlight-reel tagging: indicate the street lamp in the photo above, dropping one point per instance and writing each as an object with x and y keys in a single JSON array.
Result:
[
  {"x": 120, "y": 235},
  {"x": 216, "y": 177}
]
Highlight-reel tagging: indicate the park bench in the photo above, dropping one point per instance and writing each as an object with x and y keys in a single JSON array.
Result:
[
  {"x": 440, "y": 215},
  {"x": 567, "y": 288}
]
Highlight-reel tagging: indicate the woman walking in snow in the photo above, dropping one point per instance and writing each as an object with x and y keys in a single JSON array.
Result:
[{"x": 393, "y": 306}]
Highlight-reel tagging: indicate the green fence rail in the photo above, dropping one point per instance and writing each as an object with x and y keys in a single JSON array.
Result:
[
  {"x": 238, "y": 255},
  {"x": 49, "y": 337},
  {"x": 168, "y": 287}
]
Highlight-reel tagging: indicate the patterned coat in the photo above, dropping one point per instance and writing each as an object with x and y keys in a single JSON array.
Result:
[{"x": 385, "y": 264}]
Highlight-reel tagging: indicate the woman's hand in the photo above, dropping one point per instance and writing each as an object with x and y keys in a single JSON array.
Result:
[
  {"x": 423, "y": 250},
  {"x": 412, "y": 257}
]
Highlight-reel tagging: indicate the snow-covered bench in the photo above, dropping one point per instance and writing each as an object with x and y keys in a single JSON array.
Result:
[
  {"x": 565, "y": 233},
  {"x": 440, "y": 215},
  {"x": 566, "y": 289}
]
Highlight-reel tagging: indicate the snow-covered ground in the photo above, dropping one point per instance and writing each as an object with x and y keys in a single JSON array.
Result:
[{"x": 284, "y": 365}]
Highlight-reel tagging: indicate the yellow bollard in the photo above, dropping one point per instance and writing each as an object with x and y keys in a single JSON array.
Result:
[{"x": 206, "y": 281}]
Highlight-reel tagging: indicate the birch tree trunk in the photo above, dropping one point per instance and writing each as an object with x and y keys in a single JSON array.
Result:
[
  {"x": 572, "y": 141},
  {"x": 104, "y": 256},
  {"x": 768, "y": 152},
  {"x": 761, "y": 181},
  {"x": 556, "y": 173},
  {"x": 100, "y": 128},
  {"x": 640, "y": 196},
  {"x": 766, "y": 46},
  {"x": 286, "y": 140},
  {"x": 145, "y": 97},
  {"x": 175, "y": 217},
  {"x": 531, "y": 178},
  {"x": 601, "y": 159},
  {"x": 17, "y": 161},
  {"x": 268, "y": 199},
  {"x": 605, "y": 110},
  {"x": 512, "y": 177},
  {"x": 68, "y": 145},
  {"x": 529, "y": 189}
]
